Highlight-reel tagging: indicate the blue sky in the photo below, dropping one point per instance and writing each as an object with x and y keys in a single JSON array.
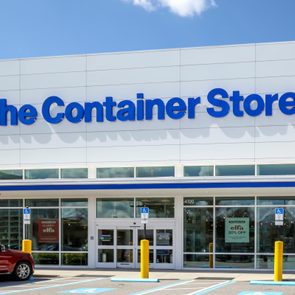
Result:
[{"x": 58, "y": 27}]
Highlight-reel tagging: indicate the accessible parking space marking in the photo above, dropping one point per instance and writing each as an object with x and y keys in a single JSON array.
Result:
[
  {"x": 51, "y": 286},
  {"x": 192, "y": 287}
]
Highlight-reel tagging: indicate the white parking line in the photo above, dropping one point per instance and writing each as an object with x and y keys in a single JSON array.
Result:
[
  {"x": 161, "y": 288},
  {"x": 211, "y": 288},
  {"x": 51, "y": 287}
]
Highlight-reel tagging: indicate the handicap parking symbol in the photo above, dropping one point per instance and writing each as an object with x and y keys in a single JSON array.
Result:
[{"x": 88, "y": 290}]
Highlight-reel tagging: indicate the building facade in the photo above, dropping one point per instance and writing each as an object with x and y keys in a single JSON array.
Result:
[{"x": 203, "y": 137}]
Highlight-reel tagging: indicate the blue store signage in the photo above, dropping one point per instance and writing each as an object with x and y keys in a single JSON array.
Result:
[{"x": 219, "y": 104}]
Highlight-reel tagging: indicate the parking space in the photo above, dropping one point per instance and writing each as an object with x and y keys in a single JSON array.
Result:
[{"x": 104, "y": 285}]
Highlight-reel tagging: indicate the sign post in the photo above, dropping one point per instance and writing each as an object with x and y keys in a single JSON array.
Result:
[
  {"x": 26, "y": 243},
  {"x": 144, "y": 214},
  {"x": 27, "y": 220}
]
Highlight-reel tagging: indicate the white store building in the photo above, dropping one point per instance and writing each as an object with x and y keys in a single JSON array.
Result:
[{"x": 203, "y": 137}]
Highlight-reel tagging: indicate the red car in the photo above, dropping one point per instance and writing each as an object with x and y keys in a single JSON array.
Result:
[{"x": 21, "y": 265}]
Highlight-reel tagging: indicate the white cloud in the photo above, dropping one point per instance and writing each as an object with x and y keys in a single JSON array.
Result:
[{"x": 182, "y": 8}]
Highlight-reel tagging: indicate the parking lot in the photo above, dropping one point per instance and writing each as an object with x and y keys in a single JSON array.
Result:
[{"x": 170, "y": 283}]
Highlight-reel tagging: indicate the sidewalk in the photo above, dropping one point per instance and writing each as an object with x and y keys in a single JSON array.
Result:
[{"x": 164, "y": 274}]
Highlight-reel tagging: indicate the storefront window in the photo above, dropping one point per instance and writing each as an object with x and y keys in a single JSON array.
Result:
[
  {"x": 74, "y": 173},
  {"x": 42, "y": 202},
  {"x": 44, "y": 229},
  {"x": 234, "y": 170},
  {"x": 115, "y": 172},
  {"x": 201, "y": 171},
  {"x": 234, "y": 201},
  {"x": 74, "y": 229},
  {"x": 235, "y": 230},
  {"x": 46, "y": 258},
  {"x": 11, "y": 174},
  {"x": 74, "y": 258},
  {"x": 155, "y": 171},
  {"x": 276, "y": 169},
  {"x": 74, "y": 202},
  {"x": 11, "y": 203},
  {"x": 11, "y": 228},
  {"x": 198, "y": 229},
  {"x": 158, "y": 207},
  {"x": 115, "y": 208},
  {"x": 41, "y": 173},
  {"x": 275, "y": 201},
  {"x": 269, "y": 232}
]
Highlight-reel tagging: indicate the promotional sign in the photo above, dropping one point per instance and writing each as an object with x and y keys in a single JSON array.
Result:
[
  {"x": 27, "y": 215},
  {"x": 48, "y": 231},
  {"x": 144, "y": 214},
  {"x": 279, "y": 216},
  {"x": 237, "y": 230},
  {"x": 219, "y": 104}
]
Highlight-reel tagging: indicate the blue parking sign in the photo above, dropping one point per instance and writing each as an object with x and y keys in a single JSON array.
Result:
[
  {"x": 144, "y": 210},
  {"x": 27, "y": 210}
]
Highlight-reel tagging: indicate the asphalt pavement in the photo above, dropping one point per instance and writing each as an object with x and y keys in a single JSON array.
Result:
[{"x": 57, "y": 281}]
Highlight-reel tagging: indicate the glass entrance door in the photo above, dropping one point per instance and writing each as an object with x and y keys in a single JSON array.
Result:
[
  {"x": 115, "y": 247},
  {"x": 119, "y": 246},
  {"x": 161, "y": 247},
  {"x": 125, "y": 247}
]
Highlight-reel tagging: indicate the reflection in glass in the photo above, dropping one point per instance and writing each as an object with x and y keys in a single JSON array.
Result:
[
  {"x": 124, "y": 237},
  {"x": 149, "y": 236},
  {"x": 234, "y": 201},
  {"x": 74, "y": 258},
  {"x": 234, "y": 261},
  {"x": 105, "y": 255},
  {"x": 198, "y": 201},
  {"x": 74, "y": 202},
  {"x": 115, "y": 172},
  {"x": 164, "y": 256},
  {"x": 155, "y": 171},
  {"x": 11, "y": 174},
  {"x": 11, "y": 228},
  {"x": 268, "y": 232},
  {"x": 41, "y": 173},
  {"x": 234, "y": 170},
  {"x": 267, "y": 261},
  {"x": 115, "y": 208},
  {"x": 46, "y": 258},
  {"x": 196, "y": 261},
  {"x": 198, "y": 229},
  {"x": 42, "y": 202},
  {"x": 124, "y": 255},
  {"x": 74, "y": 173},
  {"x": 164, "y": 237},
  {"x": 275, "y": 201},
  {"x": 74, "y": 229},
  {"x": 235, "y": 230},
  {"x": 191, "y": 171},
  {"x": 158, "y": 207},
  {"x": 11, "y": 203},
  {"x": 44, "y": 229},
  {"x": 276, "y": 169},
  {"x": 105, "y": 237}
]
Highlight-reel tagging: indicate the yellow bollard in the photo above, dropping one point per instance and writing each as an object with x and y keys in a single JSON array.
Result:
[
  {"x": 210, "y": 255},
  {"x": 278, "y": 261},
  {"x": 144, "y": 259},
  {"x": 27, "y": 246}
]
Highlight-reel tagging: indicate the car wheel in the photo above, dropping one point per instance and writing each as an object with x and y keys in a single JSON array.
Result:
[{"x": 23, "y": 271}]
